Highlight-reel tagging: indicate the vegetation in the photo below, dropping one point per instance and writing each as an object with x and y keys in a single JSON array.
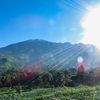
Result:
[
  {"x": 30, "y": 83},
  {"x": 65, "y": 93},
  {"x": 62, "y": 84},
  {"x": 48, "y": 79}
]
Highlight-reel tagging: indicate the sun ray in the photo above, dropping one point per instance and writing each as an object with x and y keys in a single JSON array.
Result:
[
  {"x": 65, "y": 59},
  {"x": 61, "y": 53},
  {"x": 65, "y": 4},
  {"x": 67, "y": 49},
  {"x": 82, "y": 4},
  {"x": 57, "y": 52},
  {"x": 75, "y": 55},
  {"x": 70, "y": 57}
]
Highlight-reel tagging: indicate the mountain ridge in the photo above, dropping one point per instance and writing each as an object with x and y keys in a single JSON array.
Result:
[{"x": 49, "y": 54}]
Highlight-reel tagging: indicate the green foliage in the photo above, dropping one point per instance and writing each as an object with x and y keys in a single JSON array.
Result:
[
  {"x": 52, "y": 79},
  {"x": 65, "y": 93}
]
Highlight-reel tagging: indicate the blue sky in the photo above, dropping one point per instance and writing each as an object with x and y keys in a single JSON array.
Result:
[{"x": 52, "y": 20}]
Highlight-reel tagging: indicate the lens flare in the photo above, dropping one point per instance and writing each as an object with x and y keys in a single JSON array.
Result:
[{"x": 79, "y": 59}]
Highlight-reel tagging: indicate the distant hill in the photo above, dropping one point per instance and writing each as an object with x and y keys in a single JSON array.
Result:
[{"x": 47, "y": 55}]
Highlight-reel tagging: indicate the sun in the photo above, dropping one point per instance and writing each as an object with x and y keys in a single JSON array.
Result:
[{"x": 91, "y": 25}]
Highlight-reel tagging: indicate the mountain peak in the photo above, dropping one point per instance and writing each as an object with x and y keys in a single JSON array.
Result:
[{"x": 49, "y": 53}]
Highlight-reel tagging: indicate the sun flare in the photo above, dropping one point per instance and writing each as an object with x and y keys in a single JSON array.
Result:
[{"x": 91, "y": 25}]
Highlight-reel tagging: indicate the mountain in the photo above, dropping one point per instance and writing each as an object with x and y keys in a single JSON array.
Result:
[{"x": 47, "y": 55}]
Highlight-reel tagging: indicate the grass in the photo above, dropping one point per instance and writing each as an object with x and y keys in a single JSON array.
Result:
[{"x": 64, "y": 93}]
